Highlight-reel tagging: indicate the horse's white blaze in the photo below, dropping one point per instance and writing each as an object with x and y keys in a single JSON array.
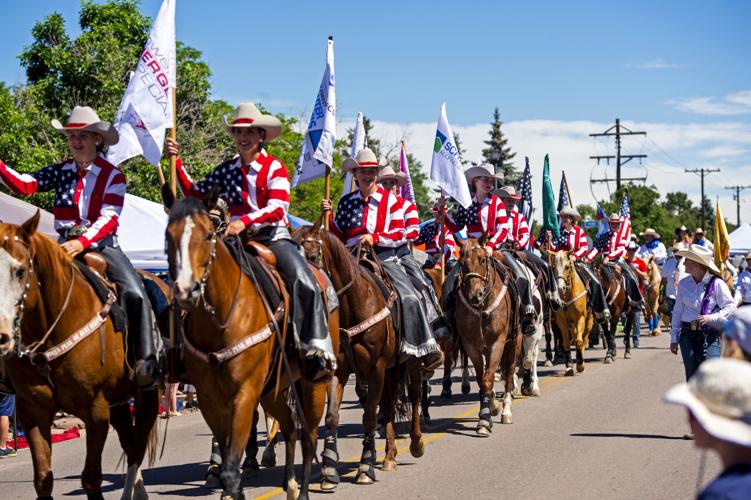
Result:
[
  {"x": 11, "y": 290},
  {"x": 184, "y": 270}
]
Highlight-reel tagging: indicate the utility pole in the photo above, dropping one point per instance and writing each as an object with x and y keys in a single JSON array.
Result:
[
  {"x": 703, "y": 172},
  {"x": 618, "y": 130},
  {"x": 737, "y": 198}
]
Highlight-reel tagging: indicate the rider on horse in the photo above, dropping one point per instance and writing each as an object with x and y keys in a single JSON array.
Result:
[
  {"x": 487, "y": 214},
  {"x": 89, "y": 196},
  {"x": 391, "y": 181},
  {"x": 256, "y": 187},
  {"x": 374, "y": 216},
  {"x": 520, "y": 234},
  {"x": 431, "y": 238},
  {"x": 612, "y": 245},
  {"x": 653, "y": 247}
]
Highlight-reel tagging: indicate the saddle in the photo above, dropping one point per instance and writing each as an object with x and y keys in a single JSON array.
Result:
[{"x": 368, "y": 260}]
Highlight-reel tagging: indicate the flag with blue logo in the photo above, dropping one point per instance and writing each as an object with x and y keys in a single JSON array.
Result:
[
  {"x": 317, "y": 153},
  {"x": 446, "y": 168}
]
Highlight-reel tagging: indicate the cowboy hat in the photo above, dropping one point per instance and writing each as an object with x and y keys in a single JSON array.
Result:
[
  {"x": 719, "y": 398},
  {"x": 483, "y": 170},
  {"x": 248, "y": 115},
  {"x": 701, "y": 255},
  {"x": 387, "y": 172},
  {"x": 632, "y": 245},
  {"x": 85, "y": 118},
  {"x": 699, "y": 231},
  {"x": 680, "y": 228},
  {"x": 614, "y": 217},
  {"x": 509, "y": 192},
  {"x": 571, "y": 212},
  {"x": 651, "y": 232},
  {"x": 365, "y": 158},
  {"x": 678, "y": 246}
]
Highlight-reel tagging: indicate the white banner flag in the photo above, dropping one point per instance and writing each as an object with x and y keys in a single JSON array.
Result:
[
  {"x": 318, "y": 149},
  {"x": 358, "y": 144},
  {"x": 146, "y": 109},
  {"x": 446, "y": 169}
]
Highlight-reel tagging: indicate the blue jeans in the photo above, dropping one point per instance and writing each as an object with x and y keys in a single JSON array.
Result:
[
  {"x": 692, "y": 349},
  {"x": 637, "y": 325}
]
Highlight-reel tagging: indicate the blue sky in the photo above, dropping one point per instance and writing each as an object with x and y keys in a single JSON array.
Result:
[{"x": 557, "y": 71}]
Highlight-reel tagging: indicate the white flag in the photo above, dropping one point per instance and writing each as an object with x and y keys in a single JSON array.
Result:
[
  {"x": 358, "y": 144},
  {"x": 146, "y": 109},
  {"x": 317, "y": 153},
  {"x": 446, "y": 169}
]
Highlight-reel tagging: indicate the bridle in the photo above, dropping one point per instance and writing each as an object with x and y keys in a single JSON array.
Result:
[
  {"x": 318, "y": 242},
  {"x": 20, "y": 305},
  {"x": 488, "y": 280}
]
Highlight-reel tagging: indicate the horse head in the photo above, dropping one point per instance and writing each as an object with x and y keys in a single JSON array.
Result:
[
  {"x": 191, "y": 247},
  {"x": 311, "y": 240},
  {"x": 563, "y": 267},
  {"x": 16, "y": 273},
  {"x": 476, "y": 269}
]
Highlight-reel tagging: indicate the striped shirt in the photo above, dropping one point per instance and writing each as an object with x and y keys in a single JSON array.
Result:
[
  {"x": 575, "y": 242},
  {"x": 379, "y": 215},
  {"x": 518, "y": 228},
  {"x": 411, "y": 219},
  {"x": 91, "y": 197},
  {"x": 488, "y": 216},
  {"x": 257, "y": 193},
  {"x": 430, "y": 237},
  {"x": 610, "y": 244}
]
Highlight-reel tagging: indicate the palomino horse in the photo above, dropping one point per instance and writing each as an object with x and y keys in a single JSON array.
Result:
[
  {"x": 230, "y": 354},
  {"x": 62, "y": 351},
  {"x": 614, "y": 286},
  {"x": 575, "y": 319},
  {"x": 489, "y": 328},
  {"x": 369, "y": 348},
  {"x": 652, "y": 295}
]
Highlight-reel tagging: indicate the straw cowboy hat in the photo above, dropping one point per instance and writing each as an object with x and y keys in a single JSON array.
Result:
[
  {"x": 571, "y": 212},
  {"x": 387, "y": 172},
  {"x": 651, "y": 232},
  {"x": 248, "y": 115},
  {"x": 701, "y": 255},
  {"x": 365, "y": 158},
  {"x": 614, "y": 217},
  {"x": 699, "y": 231},
  {"x": 678, "y": 246},
  {"x": 85, "y": 118},
  {"x": 509, "y": 192},
  {"x": 719, "y": 398},
  {"x": 484, "y": 170}
]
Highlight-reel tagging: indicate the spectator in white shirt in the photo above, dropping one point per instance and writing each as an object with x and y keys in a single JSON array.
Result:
[
  {"x": 652, "y": 247},
  {"x": 703, "y": 304},
  {"x": 743, "y": 289},
  {"x": 672, "y": 272},
  {"x": 700, "y": 240}
]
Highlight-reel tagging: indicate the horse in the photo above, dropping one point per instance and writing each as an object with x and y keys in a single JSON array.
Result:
[
  {"x": 489, "y": 329},
  {"x": 530, "y": 352},
  {"x": 614, "y": 286},
  {"x": 369, "y": 349},
  {"x": 230, "y": 355},
  {"x": 575, "y": 319},
  {"x": 63, "y": 352},
  {"x": 652, "y": 295}
]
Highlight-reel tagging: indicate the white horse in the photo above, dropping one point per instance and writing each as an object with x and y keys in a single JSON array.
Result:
[{"x": 530, "y": 385}]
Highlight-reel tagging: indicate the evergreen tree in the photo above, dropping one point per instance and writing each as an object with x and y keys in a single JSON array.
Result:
[
  {"x": 459, "y": 145},
  {"x": 498, "y": 147}
]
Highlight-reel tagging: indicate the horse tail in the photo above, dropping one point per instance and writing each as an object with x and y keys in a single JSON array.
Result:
[
  {"x": 152, "y": 443},
  {"x": 403, "y": 406}
]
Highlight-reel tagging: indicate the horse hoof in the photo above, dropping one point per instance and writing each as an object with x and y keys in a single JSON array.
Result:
[
  {"x": 627, "y": 355},
  {"x": 417, "y": 450},
  {"x": 526, "y": 391},
  {"x": 570, "y": 371},
  {"x": 608, "y": 359},
  {"x": 507, "y": 419},
  {"x": 548, "y": 363},
  {"x": 212, "y": 480},
  {"x": 389, "y": 466},
  {"x": 465, "y": 389},
  {"x": 580, "y": 367},
  {"x": 655, "y": 333},
  {"x": 495, "y": 407},
  {"x": 446, "y": 394},
  {"x": 483, "y": 430},
  {"x": 363, "y": 478},
  {"x": 535, "y": 392},
  {"x": 327, "y": 485},
  {"x": 293, "y": 490},
  {"x": 268, "y": 459}
]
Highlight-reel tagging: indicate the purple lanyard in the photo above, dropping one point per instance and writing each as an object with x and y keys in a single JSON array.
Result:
[{"x": 707, "y": 295}]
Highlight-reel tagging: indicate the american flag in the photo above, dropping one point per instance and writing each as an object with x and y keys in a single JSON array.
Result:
[
  {"x": 625, "y": 218},
  {"x": 525, "y": 189},
  {"x": 564, "y": 200},
  {"x": 349, "y": 212},
  {"x": 406, "y": 190}
]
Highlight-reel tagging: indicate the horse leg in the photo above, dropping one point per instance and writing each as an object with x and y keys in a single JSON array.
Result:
[
  {"x": 449, "y": 359},
  {"x": 330, "y": 455},
  {"x": 579, "y": 342},
  {"x": 366, "y": 469},
  {"x": 508, "y": 361},
  {"x": 136, "y": 438},
  {"x": 37, "y": 414},
  {"x": 389, "y": 400},
  {"x": 268, "y": 459},
  {"x": 250, "y": 465},
  {"x": 243, "y": 407},
  {"x": 121, "y": 420},
  {"x": 566, "y": 346},
  {"x": 627, "y": 330},
  {"x": 465, "y": 374},
  {"x": 415, "y": 390},
  {"x": 97, "y": 426},
  {"x": 485, "y": 422},
  {"x": 425, "y": 402},
  {"x": 548, "y": 336},
  {"x": 494, "y": 358},
  {"x": 313, "y": 400}
]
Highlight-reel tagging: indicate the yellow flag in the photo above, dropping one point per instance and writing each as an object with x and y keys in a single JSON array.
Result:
[{"x": 721, "y": 241}]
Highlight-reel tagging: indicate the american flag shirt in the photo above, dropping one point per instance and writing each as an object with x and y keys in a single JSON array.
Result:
[
  {"x": 518, "y": 228},
  {"x": 411, "y": 219},
  {"x": 92, "y": 197},
  {"x": 257, "y": 193},
  {"x": 430, "y": 237},
  {"x": 574, "y": 241},
  {"x": 610, "y": 244},
  {"x": 488, "y": 216},
  {"x": 379, "y": 215}
]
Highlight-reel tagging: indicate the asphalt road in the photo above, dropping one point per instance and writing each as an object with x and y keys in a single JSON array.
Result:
[{"x": 600, "y": 434}]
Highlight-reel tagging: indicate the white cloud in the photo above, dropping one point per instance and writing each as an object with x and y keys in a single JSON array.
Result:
[
  {"x": 738, "y": 103},
  {"x": 658, "y": 63},
  {"x": 723, "y": 151}
]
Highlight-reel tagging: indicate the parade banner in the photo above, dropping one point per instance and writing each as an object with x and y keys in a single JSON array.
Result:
[
  {"x": 146, "y": 110},
  {"x": 446, "y": 168},
  {"x": 721, "y": 239},
  {"x": 406, "y": 191},
  {"x": 317, "y": 153},
  {"x": 358, "y": 144}
]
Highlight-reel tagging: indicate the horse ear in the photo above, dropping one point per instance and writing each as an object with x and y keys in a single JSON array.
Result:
[
  {"x": 318, "y": 223},
  {"x": 209, "y": 200},
  {"x": 168, "y": 199},
  {"x": 460, "y": 243},
  {"x": 29, "y": 227}
]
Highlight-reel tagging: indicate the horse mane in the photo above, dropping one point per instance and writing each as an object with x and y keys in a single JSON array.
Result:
[
  {"x": 185, "y": 207},
  {"x": 340, "y": 254}
]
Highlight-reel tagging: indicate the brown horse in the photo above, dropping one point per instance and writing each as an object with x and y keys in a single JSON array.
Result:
[
  {"x": 369, "y": 349},
  {"x": 229, "y": 354},
  {"x": 62, "y": 352},
  {"x": 489, "y": 328},
  {"x": 575, "y": 319},
  {"x": 614, "y": 286},
  {"x": 652, "y": 294}
]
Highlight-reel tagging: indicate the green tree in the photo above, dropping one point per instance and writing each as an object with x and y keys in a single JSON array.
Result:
[
  {"x": 499, "y": 152},
  {"x": 459, "y": 145}
]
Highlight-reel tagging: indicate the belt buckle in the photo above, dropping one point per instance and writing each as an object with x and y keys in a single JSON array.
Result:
[{"x": 695, "y": 325}]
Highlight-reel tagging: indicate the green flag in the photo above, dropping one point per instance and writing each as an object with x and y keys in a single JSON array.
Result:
[{"x": 549, "y": 213}]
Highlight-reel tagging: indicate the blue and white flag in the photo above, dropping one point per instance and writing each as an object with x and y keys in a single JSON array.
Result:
[
  {"x": 446, "y": 169},
  {"x": 317, "y": 153},
  {"x": 358, "y": 144}
]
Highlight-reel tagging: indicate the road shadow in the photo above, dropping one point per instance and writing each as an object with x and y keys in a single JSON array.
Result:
[{"x": 624, "y": 435}]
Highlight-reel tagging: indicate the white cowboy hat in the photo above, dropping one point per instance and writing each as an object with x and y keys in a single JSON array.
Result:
[
  {"x": 388, "y": 172},
  {"x": 248, "y": 115},
  {"x": 571, "y": 212},
  {"x": 678, "y": 246},
  {"x": 85, "y": 118},
  {"x": 365, "y": 158},
  {"x": 614, "y": 217},
  {"x": 701, "y": 255},
  {"x": 699, "y": 231},
  {"x": 509, "y": 192},
  {"x": 719, "y": 398},
  {"x": 632, "y": 245},
  {"x": 484, "y": 170},
  {"x": 651, "y": 232},
  {"x": 739, "y": 329}
]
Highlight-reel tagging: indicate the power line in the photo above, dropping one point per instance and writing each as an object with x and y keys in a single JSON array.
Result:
[
  {"x": 737, "y": 198},
  {"x": 618, "y": 130},
  {"x": 703, "y": 172}
]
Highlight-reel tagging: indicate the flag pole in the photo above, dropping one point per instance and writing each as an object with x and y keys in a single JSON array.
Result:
[
  {"x": 442, "y": 242},
  {"x": 172, "y": 158},
  {"x": 327, "y": 181},
  {"x": 174, "y": 316}
]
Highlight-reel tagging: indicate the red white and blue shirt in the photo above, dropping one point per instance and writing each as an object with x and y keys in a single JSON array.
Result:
[
  {"x": 379, "y": 215},
  {"x": 488, "y": 216},
  {"x": 257, "y": 193},
  {"x": 518, "y": 228},
  {"x": 611, "y": 244},
  {"x": 574, "y": 241},
  {"x": 430, "y": 237},
  {"x": 411, "y": 219},
  {"x": 92, "y": 197}
]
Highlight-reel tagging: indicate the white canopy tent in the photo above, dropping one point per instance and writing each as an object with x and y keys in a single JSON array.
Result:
[{"x": 740, "y": 240}]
